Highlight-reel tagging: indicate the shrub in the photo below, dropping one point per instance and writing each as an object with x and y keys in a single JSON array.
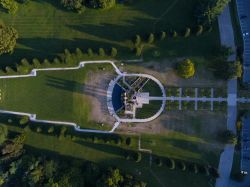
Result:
[
  {"x": 36, "y": 63},
  {"x": 56, "y": 61},
  {"x": 113, "y": 52},
  {"x": 24, "y": 120},
  {"x": 76, "y": 5},
  {"x": 138, "y": 157},
  {"x": 46, "y": 62},
  {"x": 185, "y": 69},
  {"x": 187, "y": 32},
  {"x": 199, "y": 30},
  {"x": 51, "y": 130},
  {"x": 227, "y": 136},
  {"x": 163, "y": 35},
  {"x": 79, "y": 53},
  {"x": 9, "y": 70},
  {"x": 182, "y": 166},
  {"x": 90, "y": 52},
  {"x": 137, "y": 40},
  {"x": 128, "y": 141},
  {"x": 95, "y": 139},
  {"x": 138, "y": 50},
  {"x": 159, "y": 162},
  {"x": 174, "y": 34},
  {"x": 101, "y": 52},
  {"x": 25, "y": 62},
  {"x": 171, "y": 164},
  {"x": 38, "y": 129},
  {"x": 151, "y": 38}
]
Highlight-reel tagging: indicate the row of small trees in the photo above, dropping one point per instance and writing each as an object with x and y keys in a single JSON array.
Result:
[
  {"x": 150, "y": 38},
  {"x": 67, "y": 59},
  {"x": 186, "y": 166}
]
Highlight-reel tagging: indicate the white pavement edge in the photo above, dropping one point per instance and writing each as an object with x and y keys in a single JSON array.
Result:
[{"x": 32, "y": 117}]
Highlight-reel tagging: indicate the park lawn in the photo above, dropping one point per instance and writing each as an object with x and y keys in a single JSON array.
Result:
[
  {"x": 148, "y": 110},
  {"x": 153, "y": 88},
  {"x": 51, "y": 95},
  {"x": 108, "y": 155},
  {"x": 46, "y": 29},
  {"x": 181, "y": 146}
]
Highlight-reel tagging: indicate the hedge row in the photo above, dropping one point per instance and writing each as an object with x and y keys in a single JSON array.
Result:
[
  {"x": 66, "y": 59},
  {"x": 139, "y": 41},
  {"x": 186, "y": 166}
]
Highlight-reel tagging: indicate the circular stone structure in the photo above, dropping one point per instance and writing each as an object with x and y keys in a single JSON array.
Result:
[{"x": 129, "y": 93}]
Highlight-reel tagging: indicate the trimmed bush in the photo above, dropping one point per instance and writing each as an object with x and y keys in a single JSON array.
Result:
[
  {"x": 174, "y": 34},
  {"x": 128, "y": 141},
  {"x": 138, "y": 50},
  {"x": 90, "y": 52},
  {"x": 101, "y": 52},
  {"x": 159, "y": 162},
  {"x": 51, "y": 130},
  {"x": 113, "y": 52},
  {"x": 137, "y": 157},
  {"x": 171, "y": 164},
  {"x": 187, "y": 32},
  {"x": 38, "y": 129},
  {"x": 151, "y": 38},
  {"x": 199, "y": 30},
  {"x": 137, "y": 40},
  {"x": 36, "y": 63},
  {"x": 163, "y": 35},
  {"x": 24, "y": 120}
]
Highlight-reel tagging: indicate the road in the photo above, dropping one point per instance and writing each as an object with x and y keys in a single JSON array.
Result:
[
  {"x": 244, "y": 15},
  {"x": 227, "y": 39}
]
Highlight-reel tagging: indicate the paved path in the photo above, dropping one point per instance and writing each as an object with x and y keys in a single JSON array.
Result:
[
  {"x": 227, "y": 39},
  {"x": 243, "y": 7}
]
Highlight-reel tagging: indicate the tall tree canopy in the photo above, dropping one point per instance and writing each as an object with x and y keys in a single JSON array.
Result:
[
  {"x": 208, "y": 10},
  {"x": 8, "y": 37}
]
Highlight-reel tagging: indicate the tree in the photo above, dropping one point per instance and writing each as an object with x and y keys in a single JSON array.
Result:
[
  {"x": 227, "y": 136},
  {"x": 8, "y": 37},
  {"x": 113, "y": 52},
  {"x": 103, "y": 4},
  {"x": 77, "y": 5},
  {"x": 137, "y": 40},
  {"x": 101, "y": 52},
  {"x": 185, "y": 69},
  {"x": 207, "y": 11},
  {"x": 138, "y": 50},
  {"x": 3, "y": 133},
  {"x": 51, "y": 130},
  {"x": 24, "y": 120},
  {"x": 235, "y": 70},
  {"x": 10, "y": 5},
  {"x": 90, "y": 52},
  {"x": 163, "y": 35},
  {"x": 199, "y": 30},
  {"x": 174, "y": 34},
  {"x": 151, "y": 38},
  {"x": 138, "y": 157},
  {"x": 187, "y": 32},
  {"x": 112, "y": 178},
  {"x": 36, "y": 63}
]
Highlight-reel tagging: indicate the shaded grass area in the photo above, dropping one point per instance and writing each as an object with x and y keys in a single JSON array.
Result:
[
  {"x": 52, "y": 95},
  {"x": 109, "y": 155},
  {"x": 153, "y": 88},
  {"x": 46, "y": 29},
  {"x": 181, "y": 146},
  {"x": 148, "y": 110}
]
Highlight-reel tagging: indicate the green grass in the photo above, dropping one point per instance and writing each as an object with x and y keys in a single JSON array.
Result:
[
  {"x": 181, "y": 146},
  {"x": 52, "y": 95},
  {"x": 153, "y": 88},
  {"x": 46, "y": 29},
  {"x": 108, "y": 155},
  {"x": 148, "y": 110}
]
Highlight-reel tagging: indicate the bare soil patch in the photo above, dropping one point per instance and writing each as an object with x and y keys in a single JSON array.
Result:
[{"x": 96, "y": 90}]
